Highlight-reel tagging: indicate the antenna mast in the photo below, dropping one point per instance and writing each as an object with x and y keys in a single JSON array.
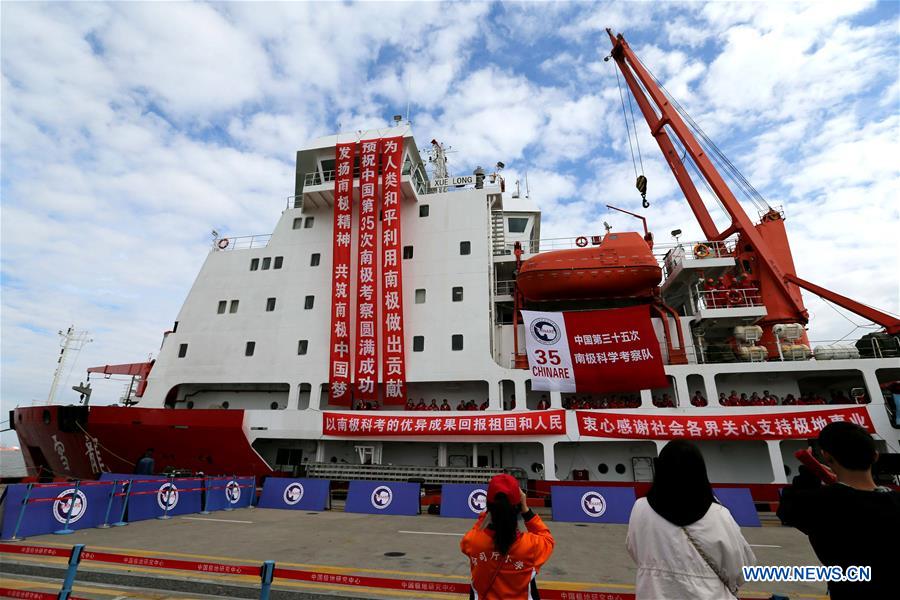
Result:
[{"x": 71, "y": 340}]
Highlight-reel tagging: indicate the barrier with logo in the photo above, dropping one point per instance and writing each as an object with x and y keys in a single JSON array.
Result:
[
  {"x": 383, "y": 498},
  {"x": 40, "y": 508},
  {"x": 229, "y": 492},
  {"x": 463, "y": 500},
  {"x": 295, "y": 493},
  {"x": 592, "y": 504},
  {"x": 740, "y": 503},
  {"x": 164, "y": 498}
]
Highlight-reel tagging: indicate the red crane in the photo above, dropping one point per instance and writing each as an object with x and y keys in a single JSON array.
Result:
[{"x": 762, "y": 249}]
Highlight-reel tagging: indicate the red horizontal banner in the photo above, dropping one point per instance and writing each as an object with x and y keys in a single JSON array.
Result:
[
  {"x": 544, "y": 422},
  {"x": 746, "y": 426}
]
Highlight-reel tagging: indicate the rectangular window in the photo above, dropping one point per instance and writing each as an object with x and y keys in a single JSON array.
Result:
[
  {"x": 423, "y": 210},
  {"x": 308, "y": 223},
  {"x": 266, "y": 263},
  {"x": 270, "y": 304},
  {"x": 517, "y": 224},
  {"x": 457, "y": 294},
  {"x": 223, "y": 305},
  {"x": 464, "y": 248},
  {"x": 279, "y": 260},
  {"x": 234, "y": 307},
  {"x": 298, "y": 222},
  {"x": 407, "y": 252},
  {"x": 314, "y": 259},
  {"x": 456, "y": 341},
  {"x": 308, "y": 302},
  {"x": 420, "y": 296},
  {"x": 254, "y": 264},
  {"x": 302, "y": 347},
  {"x": 250, "y": 349},
  {"x": 182, "y": 350},
  {"x": 418, "y": 343}
]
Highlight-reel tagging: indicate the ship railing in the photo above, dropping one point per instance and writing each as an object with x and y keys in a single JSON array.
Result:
[
  {"x": 504, "y": 288},
  {"x": 730, "y": 298},
  {"x": 294, "y": 202},
  {"x": 698, "y": 249},
  {"x": 319, "y": 177},
  {"x": 244, "y": 242},
  {"x": 421, "y": 474}
]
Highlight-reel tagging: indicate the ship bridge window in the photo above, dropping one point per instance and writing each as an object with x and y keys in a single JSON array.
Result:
[
  {"x": 308, "y": 223},
  {"x": 254, "y": 264},
  {"x": 308, "y": 302},
  {"x": 270, "y": 304},
  {"x": 423, "y": 210},
  {"x": 407, "y": 252},
  {"x": 250, "y": 349},
  {"x": 465, "y": 248},
  {"x": 456, "y": 342},
  {"x": 302, "y": 347},
  {"x": 420, "y": 296},
  {"x": 234, "y": 306},
  {"x": 279, "y": 260},
  {"x": 418, "y": 343},
  {"x": 298, "y": 223},
  {"x": 517, "y": 224},
  {"x": 266, "y": 263},
  {"x": 182, "y": 350},
  {"x": 457, "y": 294},
  {"x": 223, "y": 305},
  {"x": 314, "y": 259}
]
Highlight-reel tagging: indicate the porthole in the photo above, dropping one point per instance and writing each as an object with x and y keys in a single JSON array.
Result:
[
  {"x": 603, "y": 468},
  {"x": 274, "y": 406},
  {"x": 225, "y": 404},
  {"x": 620, "y": 469},
  {"x": 190, "y": 404}
]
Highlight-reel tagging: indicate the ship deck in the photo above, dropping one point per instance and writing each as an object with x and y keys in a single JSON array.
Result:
[{"x": 587, "y": 557}]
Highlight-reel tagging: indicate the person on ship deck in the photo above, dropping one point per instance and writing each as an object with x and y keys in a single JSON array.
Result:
[
  {"x": 461, "y": 405},
  {"x": 421, "y": 405},
  {"x": 723, "y": 399},
  {"x": 410, "y": 405},
  {"x": 484, "y": 405},
  {"x": 434, "y": 405},
  {"x": 445, "y": 405},
  {"x": 543, "y": 403},
  {"x": 734, "y": 399},
  {"x": 698, "y": 399}
]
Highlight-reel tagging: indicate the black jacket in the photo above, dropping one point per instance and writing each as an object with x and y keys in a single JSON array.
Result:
[{"x": 848, "y": 527}]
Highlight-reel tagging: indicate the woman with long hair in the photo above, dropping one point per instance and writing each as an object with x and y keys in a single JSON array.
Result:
[
  {"x": 504, "y": 560},
  {"x": 685, "y": 543}
]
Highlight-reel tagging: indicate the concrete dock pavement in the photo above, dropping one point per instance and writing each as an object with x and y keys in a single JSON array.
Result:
[{"x": 587, "y": 557}]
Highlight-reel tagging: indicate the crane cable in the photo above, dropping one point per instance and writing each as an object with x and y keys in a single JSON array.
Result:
[{"x": 640, "y": 180}]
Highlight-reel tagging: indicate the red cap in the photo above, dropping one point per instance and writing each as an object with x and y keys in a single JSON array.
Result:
[{"x": 504, "y": 484}]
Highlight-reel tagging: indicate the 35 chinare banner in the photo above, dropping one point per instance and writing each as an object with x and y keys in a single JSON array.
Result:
[
  {"x": 543, "y": 422},
  {"x": 747, "y": 426},
  {"x": 593, "y": 351},
  {"x": 367, "y": 274}
]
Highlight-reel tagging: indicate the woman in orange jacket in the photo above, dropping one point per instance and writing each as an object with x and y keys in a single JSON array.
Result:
[{"x": 504, "y": 560}]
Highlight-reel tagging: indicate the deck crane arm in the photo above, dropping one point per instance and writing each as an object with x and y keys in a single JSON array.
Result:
[
  {"x": 663, "y": 117},
  {"x": 138, "y": 370}
]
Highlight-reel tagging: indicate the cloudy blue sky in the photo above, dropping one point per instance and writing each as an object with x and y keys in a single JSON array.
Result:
[{"x": 130, "y": 130}]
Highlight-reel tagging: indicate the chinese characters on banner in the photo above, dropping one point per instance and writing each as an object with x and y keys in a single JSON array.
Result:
[
  {"x": 393, "y": 367},
  {"x": 593, "y": 351},
  {"x": 545, "y": 422},
  {"x": 339, "y": 372},
  {"x": 748, "y": 426},
  {"x": 367, "y": 274}
]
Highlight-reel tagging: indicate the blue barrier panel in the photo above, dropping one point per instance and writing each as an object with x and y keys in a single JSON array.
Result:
[
  {"x": 464, "y": 500},
  {"x": 48, "y": 506},
  {"x": 151, "y": 499},
  {"x": 592, "y": 504},
  {"x": 740, "y": 503},
  {"x": 294, "y": 494},
  {"x": 229, "y": 492},
  {"x": 383, "y": 498}
]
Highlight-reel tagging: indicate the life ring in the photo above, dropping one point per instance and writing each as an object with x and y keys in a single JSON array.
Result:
[
  {"x": 733, "y": 297},
  {"x": 702, "y": 251},
  {"x": 223, "y": 243},
  {"x": 581, "y": 241}
]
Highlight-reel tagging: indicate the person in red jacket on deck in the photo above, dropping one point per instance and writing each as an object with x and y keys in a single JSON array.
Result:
[
  {"x": 410, "y": 405},
  {"x": 755, "y": 400},
  {"x": 698, "y": 400},
  {"x": 434, "y": 405},
  {"x": 734, "y": 399},
  {"x": 543, "y": 403},
  {"x": 421, "y": 405},
  {"x": 484, "y": 405},
  {"x": 461, "y": 405},
  {"x": 504, "y": 561},
  {"x": 445, "y": 405}
]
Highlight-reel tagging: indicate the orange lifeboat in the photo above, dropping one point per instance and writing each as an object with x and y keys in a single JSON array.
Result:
[{"x": 620, "y": 266}]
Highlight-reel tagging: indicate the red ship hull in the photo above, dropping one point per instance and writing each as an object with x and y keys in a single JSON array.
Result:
[{"x": 81, "y": 442}]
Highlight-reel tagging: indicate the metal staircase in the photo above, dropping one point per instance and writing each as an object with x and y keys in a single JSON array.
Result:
[{"x": 498, "y": 233}]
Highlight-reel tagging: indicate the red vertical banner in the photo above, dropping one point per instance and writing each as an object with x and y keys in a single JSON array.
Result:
[
  {"x": 394, "y": 359},
  {"x": 367, "y": 274},
  {"x": 339, "y": 371}
]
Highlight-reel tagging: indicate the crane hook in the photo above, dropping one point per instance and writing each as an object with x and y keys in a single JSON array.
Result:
[{"x": 641, "y": 185}]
